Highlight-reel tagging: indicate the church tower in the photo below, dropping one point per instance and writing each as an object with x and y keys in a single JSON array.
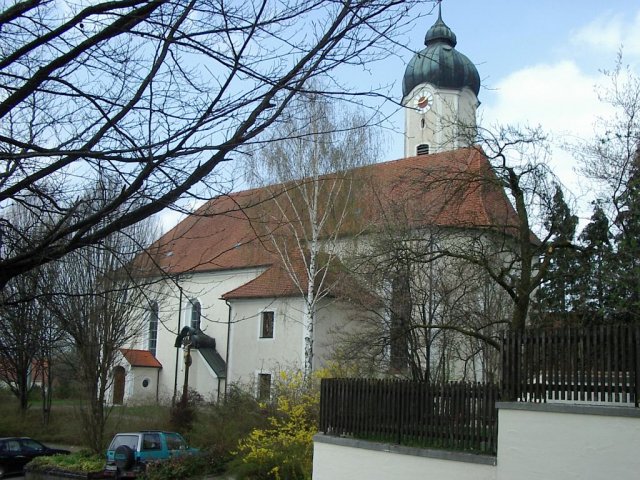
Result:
[{"x": 440, "y": 95}]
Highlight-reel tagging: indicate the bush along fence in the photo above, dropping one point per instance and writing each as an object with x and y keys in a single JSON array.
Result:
[
  {"x": 594, "y": 365},
  {"x": 456, "y": 416}
]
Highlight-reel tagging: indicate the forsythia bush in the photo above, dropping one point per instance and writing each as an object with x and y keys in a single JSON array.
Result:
[{"x": 283, "y": 450}]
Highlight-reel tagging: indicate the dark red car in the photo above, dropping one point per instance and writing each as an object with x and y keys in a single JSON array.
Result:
[{"x": 16, "y": 452}]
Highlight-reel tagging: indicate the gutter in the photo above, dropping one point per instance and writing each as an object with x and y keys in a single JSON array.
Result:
[
  {"x": 175, "y": 378},
  {"x": 226, "y": 360}
]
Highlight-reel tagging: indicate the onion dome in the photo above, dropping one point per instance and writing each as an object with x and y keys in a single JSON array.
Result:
[{"x": 440, "y": 64}]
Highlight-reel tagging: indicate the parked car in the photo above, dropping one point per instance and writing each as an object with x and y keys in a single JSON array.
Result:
[
  {"x": 129, "y": 453},
  {"x": 16, "y": 452}
]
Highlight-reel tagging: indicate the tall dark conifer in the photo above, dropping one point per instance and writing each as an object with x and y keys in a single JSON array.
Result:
[
  {"x": 626, "y": 287},
  {"x": 594, "y": 269},
  {"x": 554, "y": 299}
]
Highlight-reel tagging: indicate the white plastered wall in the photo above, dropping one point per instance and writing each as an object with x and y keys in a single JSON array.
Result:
[
  {"x": 535, "y": 442},
  {"x": 554, "y": 442},
  {"x": 141, "y": 385},
  {"x": 250, "y": 354},
  {"x": 175, "y": 313},
  {"x": 335, "y": 462}
]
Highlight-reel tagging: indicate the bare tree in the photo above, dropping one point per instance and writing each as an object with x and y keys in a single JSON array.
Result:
[
  {"x": 435, "y": 318},
  {"x": 312, "y": 158},
  {"x": 159, "y": 93},
  {"x": 463, "y": 244},
  {"x": 100, "y": 307},
  {"x": 526, "y": 208},
  {"x": 26, "y": 325},
  {"x": 608, "y": 158},
  {"x": 29, "y": 334}
]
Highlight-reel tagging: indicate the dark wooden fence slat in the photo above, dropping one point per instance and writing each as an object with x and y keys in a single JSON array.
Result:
[
  {"x": 571, "y": 364},
  {"x": 458, "y": 415}
]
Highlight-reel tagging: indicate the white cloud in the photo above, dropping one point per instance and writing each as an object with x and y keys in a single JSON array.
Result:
[
  {"x": 563, "y": 100},
  {"x": 610, "y": 32},
  {"x": 560, "y": 97}
]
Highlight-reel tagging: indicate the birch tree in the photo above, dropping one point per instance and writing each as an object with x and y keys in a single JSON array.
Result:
[{"x": 313, "y": 157}]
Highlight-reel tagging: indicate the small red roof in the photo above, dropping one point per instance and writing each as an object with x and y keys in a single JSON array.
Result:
[{"x": 140, "y": 358}]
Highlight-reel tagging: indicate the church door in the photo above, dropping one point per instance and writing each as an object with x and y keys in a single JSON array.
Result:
[{"x": 118, "y": 385}]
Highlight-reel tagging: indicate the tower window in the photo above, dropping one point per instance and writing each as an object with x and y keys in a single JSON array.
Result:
[
  {"x": 423, "y": 123},
  {"x": 422, "y": 149}
]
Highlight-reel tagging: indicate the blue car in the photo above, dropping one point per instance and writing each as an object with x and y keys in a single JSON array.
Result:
[{"x": 128, "y": 453}]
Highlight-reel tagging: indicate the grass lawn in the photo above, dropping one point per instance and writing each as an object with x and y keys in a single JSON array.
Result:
[{"x": 65, "y": 426}]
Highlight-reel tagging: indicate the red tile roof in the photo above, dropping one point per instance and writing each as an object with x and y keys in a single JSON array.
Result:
[
  {"x": 275, "y": 282},
  {"x": 449, "y": 189},
  {"x": 140, "y": 358}
]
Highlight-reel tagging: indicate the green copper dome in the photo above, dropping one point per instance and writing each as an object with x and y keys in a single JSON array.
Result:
[{"x": 440, "y": 64}]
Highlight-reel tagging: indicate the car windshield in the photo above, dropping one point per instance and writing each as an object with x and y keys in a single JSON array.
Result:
[{"x": 130, "y": 441}]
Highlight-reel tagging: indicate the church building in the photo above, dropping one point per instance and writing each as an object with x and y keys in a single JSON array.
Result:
[{"x": 245, "y": 312}]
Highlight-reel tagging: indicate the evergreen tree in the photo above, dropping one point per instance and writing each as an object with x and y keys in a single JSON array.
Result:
[
  {"x": 626, "y": 288},
  {"x": 554, "y": 298},
  {"x": 594, "y": 268}
]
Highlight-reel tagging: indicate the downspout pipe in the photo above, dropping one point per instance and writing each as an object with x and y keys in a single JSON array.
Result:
[
  {"x": 175, "y": 378},
  {"x": 158, "y": 385},
  {"x": 226, "y": 360}
]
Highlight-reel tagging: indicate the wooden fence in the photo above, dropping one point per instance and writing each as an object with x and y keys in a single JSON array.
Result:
[
  {"x": 599, "y": 364},
  {"x": 459, "y": 416}
]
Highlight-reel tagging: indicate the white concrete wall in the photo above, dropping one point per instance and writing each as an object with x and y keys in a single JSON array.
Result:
[
  {"x": 371, "y": 461},
  {"x": 554, "y": 442},
  {"x": 535, "y": 442}
]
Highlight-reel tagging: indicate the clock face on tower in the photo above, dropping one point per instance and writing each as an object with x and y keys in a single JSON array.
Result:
[{"x": 423, "y": 101}]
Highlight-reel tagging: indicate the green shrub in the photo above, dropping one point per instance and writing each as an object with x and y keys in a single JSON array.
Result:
[
  {"x": 179, "y": 467},
  {"x": 284, "y": 449},
  {"x": 82, "y": 462},
  {"x": 221, "y": 426}
]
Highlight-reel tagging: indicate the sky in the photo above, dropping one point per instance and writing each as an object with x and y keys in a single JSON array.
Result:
[{"x": 540, "y": 64}]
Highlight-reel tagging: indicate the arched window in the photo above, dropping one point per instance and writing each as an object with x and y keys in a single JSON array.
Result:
[
  {"x": 196, "y": 311},
  {"x": 153, "y": 327}
]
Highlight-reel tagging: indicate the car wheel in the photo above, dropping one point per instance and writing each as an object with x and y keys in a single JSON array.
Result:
[{"x": 124, "y": 458}]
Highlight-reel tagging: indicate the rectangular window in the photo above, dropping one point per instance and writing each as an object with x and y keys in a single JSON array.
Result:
[
  {"x": 266, "y": 325},
  {"x": 264, "y": 386}
]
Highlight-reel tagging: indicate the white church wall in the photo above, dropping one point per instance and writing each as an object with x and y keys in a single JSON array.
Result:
[
  {"x": 175, "y": 313},
  {"x": 250, "y": 354}
]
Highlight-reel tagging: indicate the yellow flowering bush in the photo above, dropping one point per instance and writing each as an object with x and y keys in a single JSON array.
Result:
[{"x": 284, "y": 450}]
